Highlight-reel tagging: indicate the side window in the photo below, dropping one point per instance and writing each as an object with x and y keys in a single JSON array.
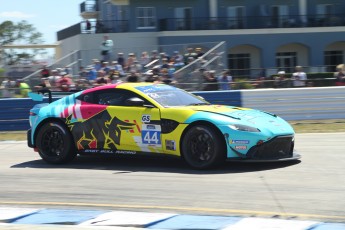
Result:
[
  {"x": 115, "y": 97},
  {"x": 89, "y": 98}
]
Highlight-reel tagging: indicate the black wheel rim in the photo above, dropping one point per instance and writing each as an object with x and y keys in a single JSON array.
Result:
[
  {"x": 52, "y": 142},
  {"x": 201, "y": 146}
]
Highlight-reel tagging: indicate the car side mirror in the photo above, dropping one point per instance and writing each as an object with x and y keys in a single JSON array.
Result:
[
  {"x": 134, "y": 101},
  {"x": 35, "y": 96}
]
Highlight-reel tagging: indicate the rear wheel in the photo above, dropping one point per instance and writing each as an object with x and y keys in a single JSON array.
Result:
[
  {"x": 203, "y": 147},
  {"x": 55, "y": 143}
]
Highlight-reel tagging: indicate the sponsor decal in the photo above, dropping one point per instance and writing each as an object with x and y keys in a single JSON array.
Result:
[
  {"x": 108, "y": 151},
  {"x": 241, "y": 147},
  {"x": 152, "y": 127},
  {"x": 170, "y": 145},
  {"x": 146, "y": 118},
  {"x": 242, "y": 142},
  {"x": 151, "y": 135},
  {"x": 127, "y": 152}
]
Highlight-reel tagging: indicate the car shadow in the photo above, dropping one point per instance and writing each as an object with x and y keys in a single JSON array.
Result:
[{"x": 127, "y": 164}]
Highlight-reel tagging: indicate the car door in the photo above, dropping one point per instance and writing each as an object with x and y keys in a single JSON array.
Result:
[{"x": 129, "y": 128}]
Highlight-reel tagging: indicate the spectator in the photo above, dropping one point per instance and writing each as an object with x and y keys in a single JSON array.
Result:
[
  {"x": 133, "y": 77},
  {"x": 105, "y": 67},
  {"x": 45, "y": 72},
  {"x": 54, "y": 78},
  {"x": 106, "y": 48},
  {"x": 23, "y": 88},
  {"x": 45, "y": 84},
  {"x": 198, "y": 52},
  {"x": 189, "y": 54},
  {"x": 177, "y": 56},
  {"x": 82, "y": 73},
  {"x": 130, "y": 61},
  {"x": 101, "y": 78},
  {"x": 299, "y": 78},
  {"x": 136, "y": 66},
  {"x": 88, "y": 26},
  {"x": 114, "y": 77},
  {"x": 280, "y": 81},
  {"x": 340, "y": 75},
  {"x": 211, "y": 82},
  {"x": 91, "y": 74},
  {"x": 6, "y": 87},
  {"x": 154, "y": 55},
  {"x": 149, "y": 77},
  {"x": 117, "y": 67},
  {"x": 121, "y": 60},
  {"x": 144, "y": 59},
  {"x": 99, "y": 27},
  {"x": 225, "y": 80},
  {"x": 65, "y": 82},
  {"x": 97, "y": 64}
]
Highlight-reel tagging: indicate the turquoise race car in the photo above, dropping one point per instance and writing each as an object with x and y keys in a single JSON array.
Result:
[{"x": 141, "y": 118}]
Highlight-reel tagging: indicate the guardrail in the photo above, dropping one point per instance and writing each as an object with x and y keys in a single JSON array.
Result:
[{"x": 290, "y": 104}]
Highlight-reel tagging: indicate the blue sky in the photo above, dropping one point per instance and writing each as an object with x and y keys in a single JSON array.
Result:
[{"x": 47, "y": 16}]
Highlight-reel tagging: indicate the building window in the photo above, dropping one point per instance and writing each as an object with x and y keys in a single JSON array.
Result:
[
  {"x": 323, "y": 14},
  {"x": 286, "y": 61},
  {"x": 236, "y": 16},
  {"x": 332, "y": 59},
  {"x": 146, "y": 18},
  {"x": 280, "y": 16},
  {"x": 239, "y": 64},
  {"x": 183, "y": 18}
]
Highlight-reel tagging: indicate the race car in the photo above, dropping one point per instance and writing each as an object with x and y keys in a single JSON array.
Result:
[{"x": 150, "y": 118}]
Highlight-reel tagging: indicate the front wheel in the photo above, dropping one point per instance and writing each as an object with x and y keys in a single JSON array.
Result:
[
  {"x": 202, "y": 147},
  {"x": 55, "y": 143}
]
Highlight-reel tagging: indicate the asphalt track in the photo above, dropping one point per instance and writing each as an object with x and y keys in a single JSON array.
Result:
[{"x": 310, "y": 189}]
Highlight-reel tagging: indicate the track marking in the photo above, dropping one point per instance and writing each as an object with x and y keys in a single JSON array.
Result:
[{"x": 209, "y": 210}]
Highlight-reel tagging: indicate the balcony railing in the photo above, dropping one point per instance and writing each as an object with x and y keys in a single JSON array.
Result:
[
  {"x": 89, "y": 6},
  {"x": 108, "y": 26},
  {"x": 220, "y": 23},
  {"x": 228, "y": 23}
]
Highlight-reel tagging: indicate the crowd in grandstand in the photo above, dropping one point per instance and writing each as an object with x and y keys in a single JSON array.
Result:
[{"x": 147, "y": 67}]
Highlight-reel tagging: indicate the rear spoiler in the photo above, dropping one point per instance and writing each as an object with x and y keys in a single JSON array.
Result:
[{"x": 38, "y": 95}]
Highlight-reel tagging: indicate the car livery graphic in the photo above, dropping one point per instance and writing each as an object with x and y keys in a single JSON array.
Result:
[{"x": 137, "y": 118}]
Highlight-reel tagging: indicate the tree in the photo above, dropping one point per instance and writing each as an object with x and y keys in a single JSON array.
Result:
[{"x": 18, "y": 33}]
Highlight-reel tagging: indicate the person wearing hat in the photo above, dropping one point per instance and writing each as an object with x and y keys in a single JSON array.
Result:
[
  {"x": 280, "y": 81},
  {"x": 130, "y": 61},
  {"x": 211, "y": 81}
]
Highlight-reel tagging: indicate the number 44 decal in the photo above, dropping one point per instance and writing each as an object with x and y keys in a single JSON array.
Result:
[
  {"x": 151, "y": 134},
  {"x": 151, "y": 137}
]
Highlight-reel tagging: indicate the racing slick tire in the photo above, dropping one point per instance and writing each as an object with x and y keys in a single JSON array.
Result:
[
  {"x": 202, "y": 147},
  {"x": 55, "y": 143}
]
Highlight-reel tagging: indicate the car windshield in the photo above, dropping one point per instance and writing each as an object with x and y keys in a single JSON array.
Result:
[{"x": 169, "y": 96}]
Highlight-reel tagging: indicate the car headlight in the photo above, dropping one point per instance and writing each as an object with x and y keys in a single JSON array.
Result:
[{"x": 245, "y": 128}]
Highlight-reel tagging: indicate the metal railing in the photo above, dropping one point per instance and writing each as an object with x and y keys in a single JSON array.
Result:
[{"x": 207, "y": 23}]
